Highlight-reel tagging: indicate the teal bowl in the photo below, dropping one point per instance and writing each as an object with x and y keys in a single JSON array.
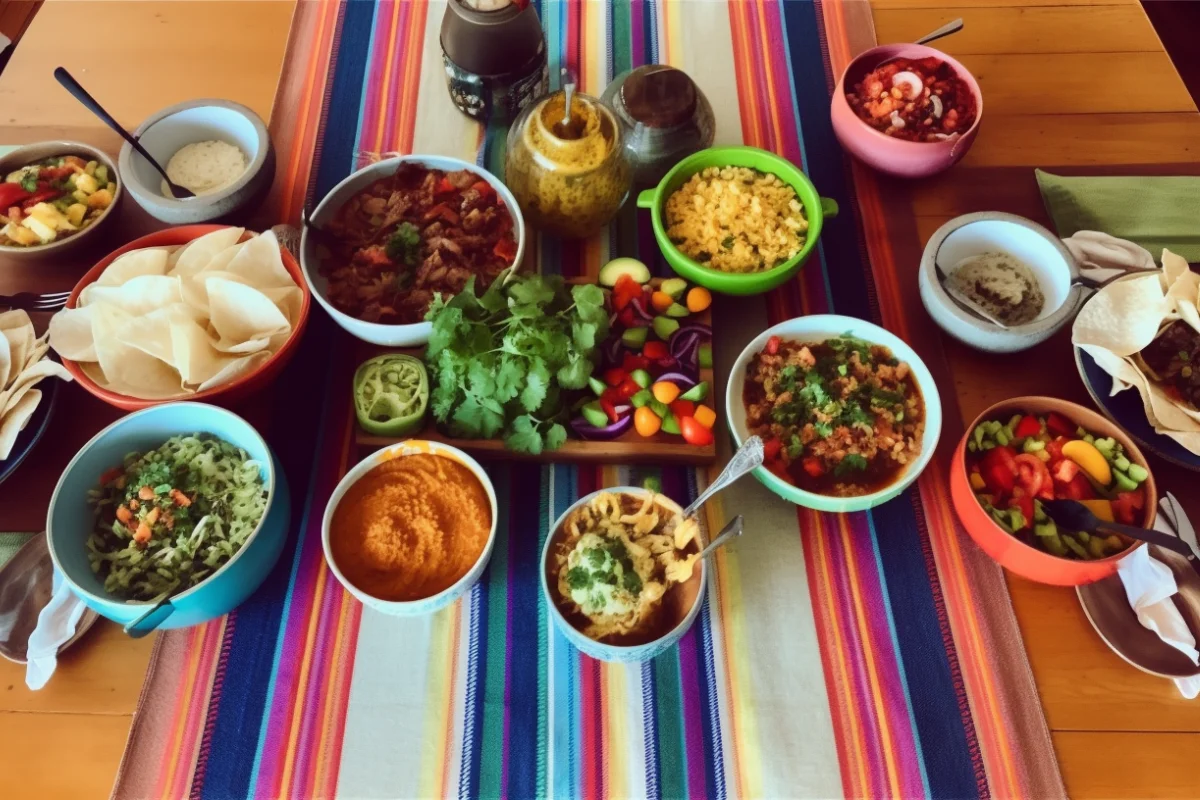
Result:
[
  {"x": 818, "y": 328},
  {"x": 70, "y": 520},
  {"x": 816, "y": 208}
]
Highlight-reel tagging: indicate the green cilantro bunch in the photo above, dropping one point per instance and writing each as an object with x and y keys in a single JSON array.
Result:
[{"x": 502, "y": 361}]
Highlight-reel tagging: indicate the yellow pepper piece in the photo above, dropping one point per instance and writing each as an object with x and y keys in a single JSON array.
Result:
[
  {"x": 665, "y": 392},
  {"x": 706, "y": 416},
  {"x": 977, "y": 481},
  {"x": 1089, "y": 459},
  {"x": 1101, "y": 508}
]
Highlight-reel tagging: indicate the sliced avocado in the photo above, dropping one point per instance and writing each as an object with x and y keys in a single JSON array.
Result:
[
  {"x": 611, "y": 272},
  {"x": 598, "y": 386},
  {"x": 704, "y": 354},
  {"x": 640, "y": 377},
  {"x": 641, "y": 398},
  {"x": 665, "y": 326},
  {"x": 697, "y": 393},
  {"x": 677, "y": 311},
  {"x": 595, "y": 415},
  {"x": 634, "y": 338},
  {"x": 670, "y": 424},
  {"x": 674, "y": 287}
]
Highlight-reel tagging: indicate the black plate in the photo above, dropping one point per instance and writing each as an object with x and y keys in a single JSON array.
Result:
[{"x": 38, "y": 423}]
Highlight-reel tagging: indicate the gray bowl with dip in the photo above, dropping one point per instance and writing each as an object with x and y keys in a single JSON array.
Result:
[
  {"x": 1005, "y": 238},
  {"x": 194, "y": 141}
]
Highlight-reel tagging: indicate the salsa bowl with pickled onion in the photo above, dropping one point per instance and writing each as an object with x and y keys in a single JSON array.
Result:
[{"x": 1021, "y": 451}]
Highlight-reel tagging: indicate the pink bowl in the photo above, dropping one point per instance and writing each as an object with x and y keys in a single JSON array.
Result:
[{"x": 883, "y": 152}]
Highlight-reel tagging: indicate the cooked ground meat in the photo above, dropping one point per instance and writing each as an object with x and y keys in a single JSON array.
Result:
[
  {"x": 841, "y": 417},
  {"x": 414, "y": 234},
  {"x": 1174, "y": 359}
]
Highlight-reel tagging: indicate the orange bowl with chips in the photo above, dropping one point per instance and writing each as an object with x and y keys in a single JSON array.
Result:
[{"x": 248, "y": 381}]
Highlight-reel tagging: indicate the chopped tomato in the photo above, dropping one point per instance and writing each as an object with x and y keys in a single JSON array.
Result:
[
  {"x": 1065, "y": 471},
  {"x": 773, "y": 345},
  {"x": 1028, "y": 426},
  {"x": 1055, "y": 447},
  {"x": 613, "y": 396},
  {"x": 442, "y": 211},
  {"x": 1033, "y": 476},
  {"x": 484, "y": 188},
  {"x": 506, "y": 249},
  {"x": 628, "y": 388},
  {"x": 682, "y": 408},
  {"x": 615, "y": 376},
  {"x": 778, "y": 468},
  {"x": 1127, "y": 504},
  {"x": 695, "y": 433},
  {"x": 771, "y": 447},
  {"x": 654, "y": 350},
  {"x": 444, "y": 186},
  {"x": 625, "y": 290},
  {"x": 40, "y": 196},
  {"x": 999, "y": 470},
  {"x": 11, "y": 194},
  {"x": 609, "y": 409},
  {"x": 1025, "y": 503},
  {"x": 813, "y": 466},
  {"x": 1077, "y": 489},
  {"x": 55, "y": 173},
  {"x": 1058, "y": 425},
  {"x": 632, "y": 361}
]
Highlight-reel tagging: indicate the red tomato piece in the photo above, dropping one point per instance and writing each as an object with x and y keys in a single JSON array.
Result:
[
  {"x": 628, "y": 388},
  {"x": 615, "y": 376},
  {"x": 506, "y": 249},
  {"x": 1054, "y": 448},
  {"x": 1058, "y": 425},
  {"x": 773, "y": 345},
  {"x": 999, "y": 470},
  {"x": 1127, "y": 504},
  {"x": 626, "y": 317},
  {"x": 1078, "y": 489},
  {"x": 1065, "y": 471},
  {"x": 444, "y": 186},
  {"x": 655, "y": 350},
  {"x": 1028, "y": 426},
  {"x": 632, "y": 361},
  {"x": 609, "y": 409},
  {"x": 40, "y": 196},
  {"x": 1032, "y": 474},
  {"x": 813, "y": 466},
  {"x": 771, "y": 448},
  {"x": 625, "y": 290},
  {"x": 1025, "y": 503},
  {"x": 11, "y": 194},
  {"x": 682, "y": 408},
  {"x": 54, "y": 173},
  {"x": 694, "y": 433},
  {"x": 484, "y": 188}
]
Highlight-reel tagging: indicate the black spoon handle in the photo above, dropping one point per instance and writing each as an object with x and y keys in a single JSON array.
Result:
[
  {"x": 1153, "y": 537},
  {"x": 79, "y": 93}
]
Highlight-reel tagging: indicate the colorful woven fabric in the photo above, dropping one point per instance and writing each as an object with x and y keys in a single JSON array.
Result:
[{"x": 862, "y": 655}]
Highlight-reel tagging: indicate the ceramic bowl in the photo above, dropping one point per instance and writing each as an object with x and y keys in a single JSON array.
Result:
[
  {"x": 166, "y": 131},
  {"x": 816, "y": 209},
  {"x": 1013, "y": 554},
  {"x": 226, "y": 393},
  {"x": 70, "y": 521},
  {"x": 31, "y": 153},
  {"x": 818, "y": 328},
  {"x": 428, "y": 605},
  {"x": 1030, "y": 243},
  {"x": 682, "y": 601},
  {"x": 416, "y": 334},
  {"x": 886, "y": 153}
]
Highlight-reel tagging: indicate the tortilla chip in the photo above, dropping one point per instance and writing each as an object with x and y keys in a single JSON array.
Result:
[
  {"x": 1123, "y": 317},
  {"x": 260, "y": 264},
  {"x": 152, "y": 333},
  {"x": 194, "y": 355},
  {"x": 1173, "y": 267},
  {"x": 135, "y": 263},
  {"x": 137, "y": 296},
  {"x": 239, "y": 313},
  {"x": 7, "y": 371},
  {"x": 196, "y": 254},
  {"x": 71, "y": 334},
  {"x": 195, "y": 289},
  {"x": 288, "y": 300},
  {"x": 126, "y": 369},
  {"x": 15, "y": 421},
  {"x": 15, "y": 318},
  {"x": 232, "y": 369}
]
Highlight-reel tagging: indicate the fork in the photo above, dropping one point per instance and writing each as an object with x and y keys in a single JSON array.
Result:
[{"x": 30, "y": 301}]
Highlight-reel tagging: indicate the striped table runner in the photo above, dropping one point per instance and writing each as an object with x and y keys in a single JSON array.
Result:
[{"x": 861, "y": 655}]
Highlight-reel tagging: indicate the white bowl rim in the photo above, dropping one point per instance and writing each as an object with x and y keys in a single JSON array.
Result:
[
  {"x": 688, "y": 619},
  {"x": 388, "y": 166},
  {"x": 68, "y": 146},
  {"x": 1048, "y": 323},
  {"x": 409, "y": 447},
  {"x": 874, "y": 334},
  {"x": 271, "y": 495},
  {"x": 150, "y": 194}
]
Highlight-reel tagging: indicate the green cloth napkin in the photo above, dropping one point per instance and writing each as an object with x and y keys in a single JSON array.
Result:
[
  {"x": 10, "y": 543},
  {"x": 1154, "y": 211}
]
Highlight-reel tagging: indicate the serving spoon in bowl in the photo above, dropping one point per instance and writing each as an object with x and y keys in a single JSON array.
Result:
[
  {"x": 747, "y": 458},
  {"x": 1076, "y": 516},
  {"x": 79, "y": 93}
]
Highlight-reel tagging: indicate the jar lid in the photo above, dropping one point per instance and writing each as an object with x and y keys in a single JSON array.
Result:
[{"x": 658, "y": 96}]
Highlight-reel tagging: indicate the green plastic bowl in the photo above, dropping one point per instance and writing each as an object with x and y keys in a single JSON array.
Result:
[{"x": 816, "y": 209}]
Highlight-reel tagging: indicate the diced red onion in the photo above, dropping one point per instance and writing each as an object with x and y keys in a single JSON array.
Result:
[{"x": 586, "y": 430}]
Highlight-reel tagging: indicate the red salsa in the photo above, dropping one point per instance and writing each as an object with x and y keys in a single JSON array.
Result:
[{"x": 917, "y": 100}]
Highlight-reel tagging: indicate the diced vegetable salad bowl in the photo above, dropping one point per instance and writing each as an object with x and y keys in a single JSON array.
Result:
[
  {"x": 71, "y": 520},
  {"x": 1101, "y": 467}
]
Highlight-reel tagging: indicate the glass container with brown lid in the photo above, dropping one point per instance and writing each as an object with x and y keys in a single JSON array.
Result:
[{"x": 569, "y": 172}]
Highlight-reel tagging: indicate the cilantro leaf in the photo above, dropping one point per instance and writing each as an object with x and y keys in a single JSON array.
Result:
[
  {"x": 509, "y": 373},
  {"x": 29, "y": 180},
  {"x": 524, "y": 437},
  {"x": 480, "y": 379},
  {"x": 493, "y": 299},
  {"x": 584, "y": 335},
  {"x": 555, "y": 436},
  {"x": 579, "y": 578},
  {"x": 533, "y": 291},
  {"x": 574, "y": 374},
  {"x": 851, "y": 463},
  {"x": 536, "y": 382},
  {"x": 404, "y": 245},
  {"x": 444, "y": 330}
]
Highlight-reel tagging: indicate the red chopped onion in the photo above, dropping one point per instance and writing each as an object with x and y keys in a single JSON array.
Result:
[{"x": 586, "y": 430}]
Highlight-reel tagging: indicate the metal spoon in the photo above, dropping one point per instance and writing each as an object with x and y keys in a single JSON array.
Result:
[
  {"x": 953, "y": 26},
  {"x": 748, "y": 457},
  {"x": 732, "y": 529},
  {"x": 89, "y": 102},
  {"x": 568, "y": 84},
  {"x": 965, "y": 302}
]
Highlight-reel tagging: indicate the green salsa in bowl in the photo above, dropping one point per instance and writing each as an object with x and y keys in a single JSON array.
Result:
[{"x": 815, "y": 211}]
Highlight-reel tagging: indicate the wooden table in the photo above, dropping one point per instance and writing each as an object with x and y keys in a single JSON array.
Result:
[{"x": 1080, "y": 84}]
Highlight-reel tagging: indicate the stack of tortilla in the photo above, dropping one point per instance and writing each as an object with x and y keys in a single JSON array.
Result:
[
  {"x": 23, "y": 364},
  {"x": 167, "y": 322},
  {"x": 1125, "y": 317}
]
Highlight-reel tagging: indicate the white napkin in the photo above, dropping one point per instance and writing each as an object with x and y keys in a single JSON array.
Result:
[
  {"x": 1149, "y": 585},
  {"x": 1100, "y": 251},
  {"x": 56, "y": 623}
]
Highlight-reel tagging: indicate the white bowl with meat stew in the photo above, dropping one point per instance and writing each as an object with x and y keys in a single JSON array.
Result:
[
  {"x": 316, "y": 246},
  {"x": 893, "y": 423},
  {"x": 1031, "y": 245}
]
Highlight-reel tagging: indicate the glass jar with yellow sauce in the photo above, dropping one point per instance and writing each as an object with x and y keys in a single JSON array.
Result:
[{"x": 569, "y": 174}]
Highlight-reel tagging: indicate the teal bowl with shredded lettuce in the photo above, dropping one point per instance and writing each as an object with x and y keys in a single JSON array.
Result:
[{"x": 215, "y": 554}]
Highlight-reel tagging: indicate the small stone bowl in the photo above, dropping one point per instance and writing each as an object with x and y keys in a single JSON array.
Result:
[{"x": 166, "y": 131}]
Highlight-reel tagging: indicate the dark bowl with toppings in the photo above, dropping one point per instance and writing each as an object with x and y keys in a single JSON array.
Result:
[
  {"x": 848, "y": 412},
  {"x": 389, "y": 237},
  {"x": 54, "y": 196},
  {"x": 1027, "y": 450}
]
